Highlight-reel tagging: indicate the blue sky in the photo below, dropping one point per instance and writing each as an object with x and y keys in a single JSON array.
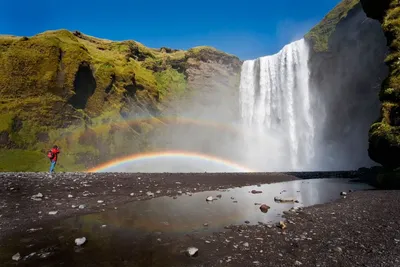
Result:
[{"x": 248, "y": 29}]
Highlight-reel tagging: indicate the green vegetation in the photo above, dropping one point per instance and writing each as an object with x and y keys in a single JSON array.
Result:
[
  {"x": 73, "y": 90},
  {"x": 319, "y": 35},
  {"x": 384, "y": 136}
]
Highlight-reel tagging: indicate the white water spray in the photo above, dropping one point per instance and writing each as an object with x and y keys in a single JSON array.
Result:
[{"x": 275, "y": 105}]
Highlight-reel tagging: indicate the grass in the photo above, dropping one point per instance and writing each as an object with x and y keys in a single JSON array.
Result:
[{"x": 319, "y": 35}]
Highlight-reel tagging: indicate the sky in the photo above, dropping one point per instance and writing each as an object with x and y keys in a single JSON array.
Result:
[{"x": 247, "y": 29}]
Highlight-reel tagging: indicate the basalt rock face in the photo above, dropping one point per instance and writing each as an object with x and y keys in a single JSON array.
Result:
[
  {"x": 97, "y": 99},
  {"x": 384, "y": 135},
  {"x": 345, "y": 79}
]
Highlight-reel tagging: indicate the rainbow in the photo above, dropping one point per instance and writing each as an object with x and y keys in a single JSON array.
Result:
[{"x": 169, "y": 155}]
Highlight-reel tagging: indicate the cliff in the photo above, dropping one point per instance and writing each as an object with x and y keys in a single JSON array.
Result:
[
  {"x": 345, "y": 79},
  {"x": 97, "y": 99},
  {"x": 384, "y": 135}
]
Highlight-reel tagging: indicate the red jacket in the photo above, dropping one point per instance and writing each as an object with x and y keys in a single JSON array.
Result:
[{"x": 55, "y": 152}]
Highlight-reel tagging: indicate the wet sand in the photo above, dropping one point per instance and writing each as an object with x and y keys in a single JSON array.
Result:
[{"x": 362, "y": 229}]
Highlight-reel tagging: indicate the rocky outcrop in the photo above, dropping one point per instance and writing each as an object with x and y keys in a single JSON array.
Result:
[
  {"x": 73, "y": 88},
  {"x": 345, "y": 79},
  {"x": 384, "y": 135}
]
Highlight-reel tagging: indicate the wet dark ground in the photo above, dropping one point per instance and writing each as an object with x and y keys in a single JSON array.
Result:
[{"x": 361, "y": 229}]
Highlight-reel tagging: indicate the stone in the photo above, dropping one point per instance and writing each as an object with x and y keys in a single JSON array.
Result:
[
  {"x": 209, "y": 198},
  {"x": 298, "y": 263},
  {"x": 219, "y": 196},
  {"x": 53, "y": 212},
  {"x": 100, "y": 201},
  {"x": 80, "y": 241},
  {"x": 246, "y": 244},
  {"x": 192, "y": 251},
  {"x": 284, "y": 199},
  {"x": 150, "y": 194},
  {"x": 338, "y": 249},
  {"x": 343, "y": 193},
  {"x": 256, "y": 192},
  {"x": 282, "y": 225},
  {"x": 264, "y": 208},
  {"x": 16, "y": 257}
]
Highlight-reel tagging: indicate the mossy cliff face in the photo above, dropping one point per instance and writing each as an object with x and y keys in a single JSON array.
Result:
[
  {"x": 82, "y": 93},
  {"x": 384, "y": 135},
  {"x": 345, "y": 78}
]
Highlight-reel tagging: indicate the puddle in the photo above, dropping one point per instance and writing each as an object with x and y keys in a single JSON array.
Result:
[{"x": 142, "y": 224}]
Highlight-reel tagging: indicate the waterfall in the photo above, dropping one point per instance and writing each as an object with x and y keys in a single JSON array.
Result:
[{"x": 275, "y": 101}]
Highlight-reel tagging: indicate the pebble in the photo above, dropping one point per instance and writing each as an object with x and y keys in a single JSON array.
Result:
[
  {"x": 69, "y": 196},
  {"x": 132, "y": 194},
  {"x": 150, "y": 194},
  {"x": 209, "y": 198},
  {"x": 16, "y": 257},
  {"x": 81, "y": 207},
  {"x": 192, "y": 251},
  {"x": 53, "y": 212},
  {"x": 343, "y": 193},
  {"x": 246, "y": 244},
  {"x": 338, "y": 249},
  {"x": 80, "y": 241},
  {"x": 298, "y": 263},
  {"x": 100, "y": 201}
]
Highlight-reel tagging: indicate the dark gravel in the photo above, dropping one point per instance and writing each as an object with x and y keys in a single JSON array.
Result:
[{"x": 362, "y": 229}]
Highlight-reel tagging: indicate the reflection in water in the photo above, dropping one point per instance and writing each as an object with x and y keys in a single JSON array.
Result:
[
  {"x": 134, "y": 228},
  {"x": 188, "y": 213}
]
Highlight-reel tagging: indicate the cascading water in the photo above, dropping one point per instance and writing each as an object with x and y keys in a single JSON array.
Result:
[{"x": 275, "y": 101}]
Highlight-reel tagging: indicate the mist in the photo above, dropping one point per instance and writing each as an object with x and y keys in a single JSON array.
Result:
[{"x": 296, "y": 110}]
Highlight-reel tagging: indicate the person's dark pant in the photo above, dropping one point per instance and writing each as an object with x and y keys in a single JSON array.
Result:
[{"x": 52, "y": 166}]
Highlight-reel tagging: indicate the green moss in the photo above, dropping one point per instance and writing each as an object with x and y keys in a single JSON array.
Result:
[
  {"x": 384, "y": 131},
  {"x": 5, "y": 122},
  {"x": 319, "y": 35},
  {"x": 170, "y": 82}
]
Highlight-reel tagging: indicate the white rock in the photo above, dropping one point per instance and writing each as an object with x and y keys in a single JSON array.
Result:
[
  {"x": 191, "y": 251},
  {"x": 100, "y": 201},
  {"x": 158, "y": 192},
  {"x": 80, "y": 241},
  {"x": 343, "y": 193},
  {"x": 81, "y": 207},
  {"x": 246, "y": 244},
  {"x": 150, "y": 194},
  {"x": 180, "y": 192},
  {"x": 298, "y": 263},
  {"x": 53, "y": 212},
  {"x": 177, "y": 182},
  {"x": 132, "y": 194},
  {"x": 73, "y": 206},
  {"x": 38, "y": 195},
  {"x": 209, "y": 198},
  {"x": 338, "y": 249},
  {"x": 16, "y": 257},
  {"x": 103, "y": 226},
  {"x": 69, "y": 196}
]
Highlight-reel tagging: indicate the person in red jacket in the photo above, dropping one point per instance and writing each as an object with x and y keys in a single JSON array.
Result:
[{"x": 53, "y": 156}]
